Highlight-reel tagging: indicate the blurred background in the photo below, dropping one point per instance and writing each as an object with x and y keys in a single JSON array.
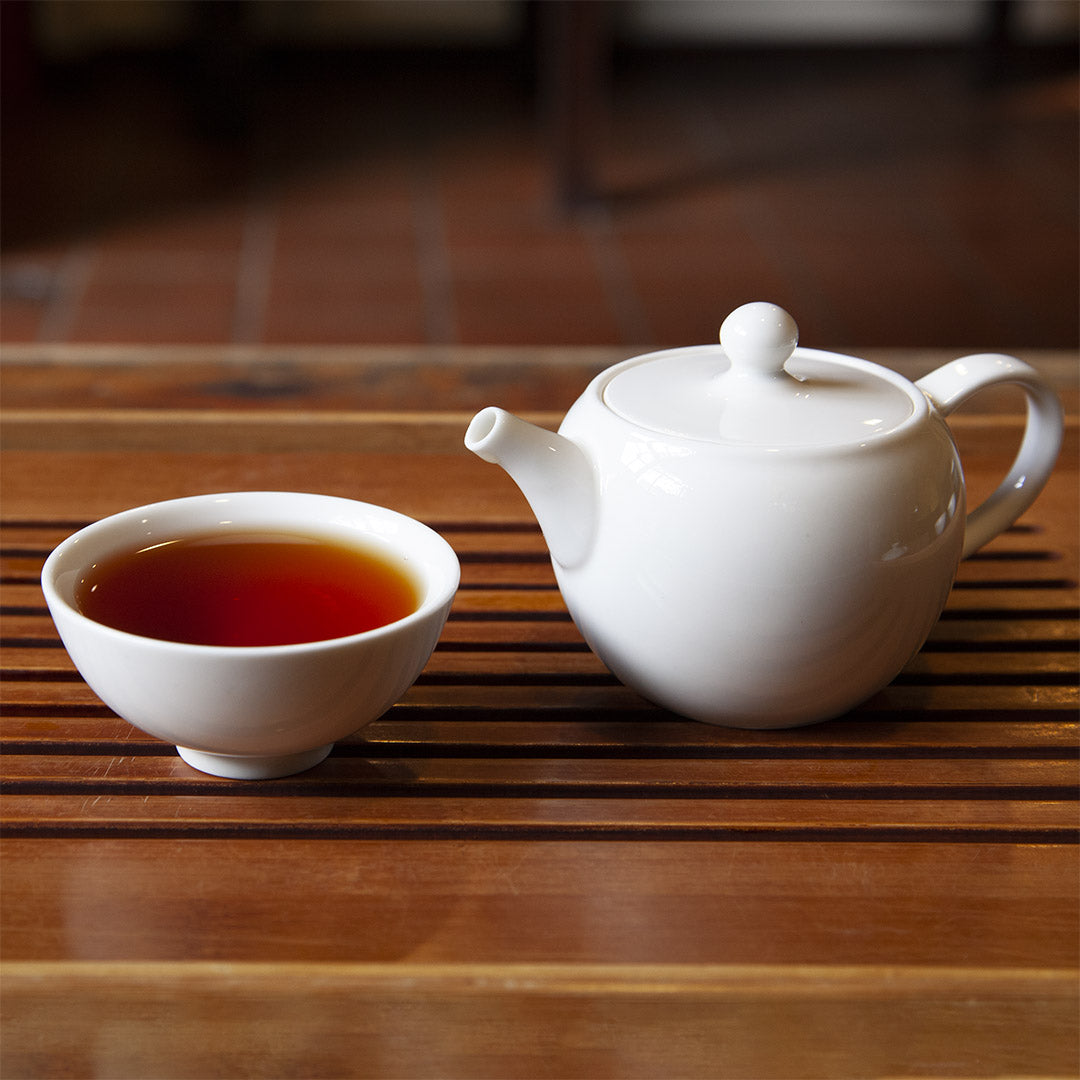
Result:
[{"x": 539, "y": 172}]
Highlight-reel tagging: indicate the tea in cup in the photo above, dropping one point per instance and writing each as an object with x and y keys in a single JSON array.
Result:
[{"x": 251, "y": 629}]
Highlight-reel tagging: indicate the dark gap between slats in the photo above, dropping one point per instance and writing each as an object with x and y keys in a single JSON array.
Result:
[
  {"x": 450, "y": 526},
  {"x": 516, "y": 615},
  {"x": 534, "y": 558},
  {"x": 34, "y": 675},
  {"x": 49, "y": 710},
  {"x": 1012, "y": 585},
  {"x": 1038, "y": 678},
  {"x": 1020, "y": 645},
  {"x": 452, "y": 715},
  {"x": 1016, "y": 583},
  {"x": 454, "y": 831},
  {"x": 456, "y": 714},
  {"x": 389, "y": 749},
  {"x": 1033, "y": 555},
  {"x": 647, "y": 713},
  {"x": 968, "y": 678},
  {"x": 1032, "y": 645},
  {"x": 530, "y": 528},
  {"x": 313, "y": 788},
  {"x": 43, "y": 523},
  {"x": 1069, "y": 614},
  {"x": 721, "y": 752},
  {"x": 1067, "y": 645},
  {"x": 527, "y": 615},
  {"x": 1006, "y": 645}
]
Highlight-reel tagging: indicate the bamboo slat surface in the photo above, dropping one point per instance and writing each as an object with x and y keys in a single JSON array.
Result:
[{"x": 522, "y": 869}]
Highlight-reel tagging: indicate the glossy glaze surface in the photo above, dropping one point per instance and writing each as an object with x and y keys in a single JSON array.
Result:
[
  {"x": 253, "y": 712},
  {"x": 778, "y": 590},
  {"x": 779, "y": 557}
]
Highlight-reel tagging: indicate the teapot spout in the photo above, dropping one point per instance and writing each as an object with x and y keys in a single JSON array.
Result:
[{"x": 552, "y": 472}]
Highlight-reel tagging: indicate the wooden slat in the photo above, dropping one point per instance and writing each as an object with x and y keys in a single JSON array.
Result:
[
  {"x": 642, "y": 758},
  {"x": 372, "y": 378},
  {"x": 496, "y": 1021},
  {"x": 522, "y": 868},
  {"x": 553, "y": 697},
  {"x": 238, "y": 432},
  {"x": 583, "y": 899},
  {"x": 584, "y": 777},
  {"x": 360, "y": 431},
  {"x": 540, "y": 651},
  {"x": 524, "y": 734},
  {"x": 995, "y": 819}
]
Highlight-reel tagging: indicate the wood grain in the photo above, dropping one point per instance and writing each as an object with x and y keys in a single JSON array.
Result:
[
  {"x": 497, "y": 1021},
  {"x": 523, "y": 868}
]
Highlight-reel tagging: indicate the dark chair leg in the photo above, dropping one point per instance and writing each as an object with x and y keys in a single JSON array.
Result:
[{"x": 575, "y": 45}]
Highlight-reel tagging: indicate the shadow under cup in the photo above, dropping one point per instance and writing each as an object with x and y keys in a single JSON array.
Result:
[{"x": 262, "y": 711}]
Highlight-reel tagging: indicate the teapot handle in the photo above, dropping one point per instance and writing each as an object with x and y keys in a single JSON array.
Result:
[{"x": 950, "y": 386}]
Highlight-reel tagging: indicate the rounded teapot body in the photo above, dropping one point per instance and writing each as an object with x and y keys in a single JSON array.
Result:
[
  {"x": 760, "y": 535},
  {"x": 763, "y": 586}
]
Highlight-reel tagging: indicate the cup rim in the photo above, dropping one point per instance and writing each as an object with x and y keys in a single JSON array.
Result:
[{"x": 439, "y": 591}]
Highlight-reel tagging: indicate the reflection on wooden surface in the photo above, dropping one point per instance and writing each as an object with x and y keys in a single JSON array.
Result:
[{"x": 523, "y": 868}]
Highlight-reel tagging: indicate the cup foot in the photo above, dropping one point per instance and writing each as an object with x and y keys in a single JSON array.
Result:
[{"x": 249, "y": 767}]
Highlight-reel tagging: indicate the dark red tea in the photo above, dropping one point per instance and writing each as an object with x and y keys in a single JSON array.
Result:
[{"x": 247, "y": 589}]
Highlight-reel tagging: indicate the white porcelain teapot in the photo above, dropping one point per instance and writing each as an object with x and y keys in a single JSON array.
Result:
[{"x": 759, "y": 535}]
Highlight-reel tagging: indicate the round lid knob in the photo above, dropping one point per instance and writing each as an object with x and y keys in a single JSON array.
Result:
[
  {"x": 759, "y": 339},
  {"x": 756, "y": 389}
]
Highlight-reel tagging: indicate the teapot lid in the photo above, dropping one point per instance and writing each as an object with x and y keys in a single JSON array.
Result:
[{"x": 757, "y": 389}]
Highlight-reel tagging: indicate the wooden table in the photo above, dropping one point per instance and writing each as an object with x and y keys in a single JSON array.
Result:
[{"x": 522, "y": 869}]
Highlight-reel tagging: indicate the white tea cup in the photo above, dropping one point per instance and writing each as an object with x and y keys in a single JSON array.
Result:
[{"x": 260, "y": 711}]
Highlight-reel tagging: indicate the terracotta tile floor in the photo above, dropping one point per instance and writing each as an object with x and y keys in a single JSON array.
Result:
[{"x": 887, "y": 200}]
